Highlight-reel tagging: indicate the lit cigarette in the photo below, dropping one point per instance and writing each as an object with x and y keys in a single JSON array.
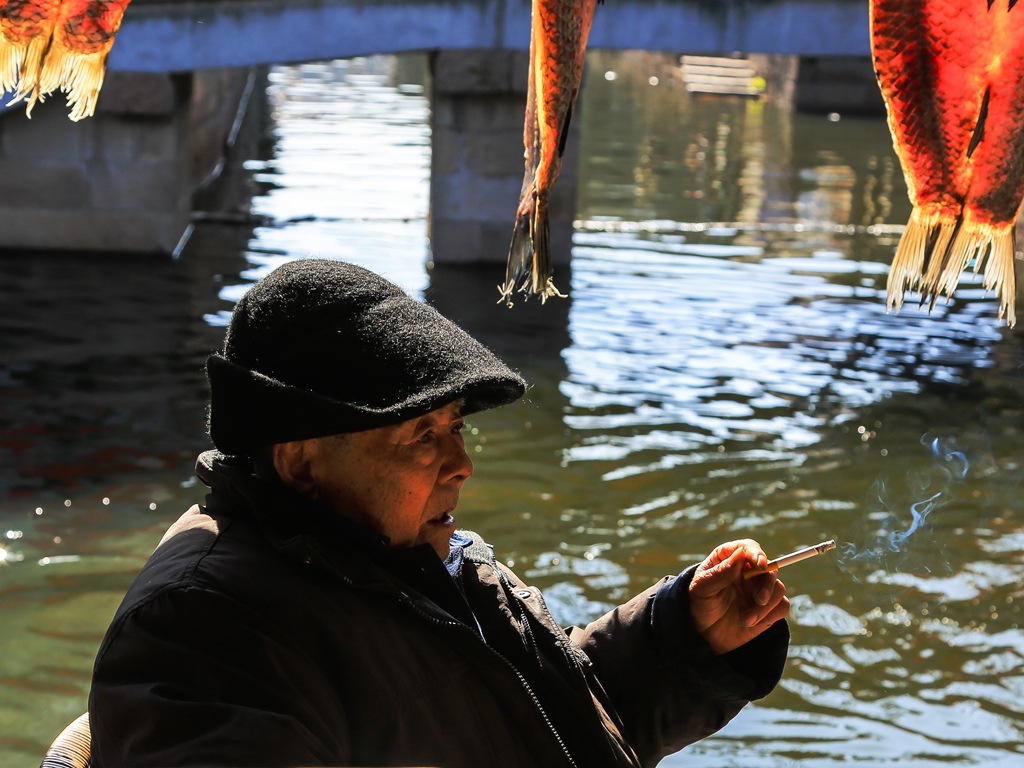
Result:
[{"x": 792, "y": 557}]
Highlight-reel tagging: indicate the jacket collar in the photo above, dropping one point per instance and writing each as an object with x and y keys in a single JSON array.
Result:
[
  {"x": 280, "y": 513},
  {"x": 315, "y": 535}
]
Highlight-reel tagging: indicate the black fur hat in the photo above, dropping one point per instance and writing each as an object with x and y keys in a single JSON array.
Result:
[{"x": 321, "y": 347}]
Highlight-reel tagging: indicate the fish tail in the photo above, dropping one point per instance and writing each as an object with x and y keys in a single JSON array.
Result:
[
  {"x": 78, "y": 75},
  {"x": 999, "y": 276},
  {"x": 978, "y": 242},
  {"x": 10, "y": 64},
  {"x": 542, "y": 282},
  {"x": 529, "y": 256},
  {"x": 952, "y": 258},
  {"x": 29, "y": 74},
  {"x": 520, "y": 252},
  {"x": 946, "y": 232},
  {"x": 908, "y": 263}
]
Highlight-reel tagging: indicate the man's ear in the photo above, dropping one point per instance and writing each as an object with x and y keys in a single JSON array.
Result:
[{"x": 292, "y": 463}]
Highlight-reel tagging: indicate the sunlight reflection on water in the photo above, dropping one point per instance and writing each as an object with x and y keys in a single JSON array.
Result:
[
  {"x": 726, "y": 368},
  {"x": 708, "y": 374}
]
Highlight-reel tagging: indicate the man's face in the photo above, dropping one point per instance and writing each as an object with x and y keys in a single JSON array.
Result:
[{"x": 401, "y": 481}]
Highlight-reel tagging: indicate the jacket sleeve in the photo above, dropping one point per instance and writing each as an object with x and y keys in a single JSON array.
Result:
[
  {"x": 170, "y": 692},
  {"x": 667, "y": 686}
]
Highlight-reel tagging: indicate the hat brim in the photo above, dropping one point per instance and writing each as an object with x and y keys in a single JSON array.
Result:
[{"x": 262, "y": 410}]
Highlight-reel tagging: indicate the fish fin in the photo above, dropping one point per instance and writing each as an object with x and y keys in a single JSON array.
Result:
[
  {"x": 529, "y": 256},
  {"x": 29, "y": 74},
  {"x": 966, "y": 243},
  {"x": 542, "y": 282},
  {"x": 979, "y": 127},
  {"x": 999, "y": 276},
  {"x": 540, "y": 234},
  {"x": 908, "y": 263},
  {"x": 520, "y": 255},
  {"x": 78, "y": 75},
  {"x": 947, "y": 241},
  {"x": 10, "y": 64},
  {"x": 977, "y": 242},
  {"x": 563, "y": 137}
]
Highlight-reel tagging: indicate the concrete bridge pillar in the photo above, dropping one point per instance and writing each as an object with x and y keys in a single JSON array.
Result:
[
  {"x": 122, "y": 180},
  {"x": 478, "y": 101}
]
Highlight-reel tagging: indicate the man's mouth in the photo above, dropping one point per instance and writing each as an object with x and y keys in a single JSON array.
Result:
[{"x": 445, "y": 518}]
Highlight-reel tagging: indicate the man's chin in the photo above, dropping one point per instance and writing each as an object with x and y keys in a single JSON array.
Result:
[{"x": 438, "y": 531}]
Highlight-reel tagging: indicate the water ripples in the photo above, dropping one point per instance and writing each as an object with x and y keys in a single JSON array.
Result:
[{"x": 727, "y": 368}]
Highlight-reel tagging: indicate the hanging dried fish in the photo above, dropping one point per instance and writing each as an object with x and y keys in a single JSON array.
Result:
[
  {"x": 558, "y": 42},
  {"x": 952, "y": 76},
  {"x": 48, "y": 45}
]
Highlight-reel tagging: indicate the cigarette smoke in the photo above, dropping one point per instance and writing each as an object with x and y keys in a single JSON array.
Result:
[{"x": 897, "y": 533}]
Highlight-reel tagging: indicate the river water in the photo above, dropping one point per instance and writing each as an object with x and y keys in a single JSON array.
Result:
[{"x": 724, "y": 367}]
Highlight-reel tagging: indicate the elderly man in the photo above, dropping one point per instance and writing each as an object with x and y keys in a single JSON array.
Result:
[{"x": 322, "y": 609}]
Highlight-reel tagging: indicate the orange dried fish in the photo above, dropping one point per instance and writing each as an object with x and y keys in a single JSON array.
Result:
[
  {"x": 950, "y": 72},
  {"x": 77, "y": 59},
  {"x": 558, "y": 42},
  {"x": 25, "y": 30},
  {"x": 997, "y": 164},
  {"x": 53, "y": 45}
]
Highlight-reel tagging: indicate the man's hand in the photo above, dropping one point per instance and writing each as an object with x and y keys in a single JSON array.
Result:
[{"x": 729, "y": 610}]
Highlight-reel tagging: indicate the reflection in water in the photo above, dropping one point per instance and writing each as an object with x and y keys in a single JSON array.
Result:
[
  {"x": 681, "y": 157},
  {"x": 724, "y": 368}
]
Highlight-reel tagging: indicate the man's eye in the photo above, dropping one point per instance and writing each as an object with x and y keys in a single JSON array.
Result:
[
  {"x": 426, "y": 436},
  {"x": 458, "y": 427}
]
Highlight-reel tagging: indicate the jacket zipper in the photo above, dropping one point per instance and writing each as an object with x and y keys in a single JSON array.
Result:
[
  {"x": 384, "y": 587},
  {"x": 527, "y": 630},
  {"x": 519, "y": 676},
  {"x": 572, "y": 658}
]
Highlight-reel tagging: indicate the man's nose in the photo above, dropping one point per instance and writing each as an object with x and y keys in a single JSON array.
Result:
[{"x": 458, "y": 465}]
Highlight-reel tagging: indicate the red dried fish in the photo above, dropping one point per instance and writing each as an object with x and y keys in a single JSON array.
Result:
[
  {"x": 558, "y": 42},
  {"x": 49, "y": 45},
  {"x": 952, "y": 75}
]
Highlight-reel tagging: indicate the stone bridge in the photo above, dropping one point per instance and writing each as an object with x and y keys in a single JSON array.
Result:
[
  {"x": 180, "y": 74},
  {"x": 169, "y": 37}
]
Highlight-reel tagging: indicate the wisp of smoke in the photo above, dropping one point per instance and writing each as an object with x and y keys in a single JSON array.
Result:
[{"x": 896, "y": 534}]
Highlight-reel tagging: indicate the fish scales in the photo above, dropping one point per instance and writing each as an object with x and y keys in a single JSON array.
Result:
[
  {"x": 931, "y": 130},
  {"x": 904, "y": 61},
  {"x": 88, "y": 26},
  {"x": 25, "y": 30},
  {"x": 957, "y": 31},
  {"x": 558, "y": 40},
  {"x": 997, "y": 180},
  {"x": 559, "y": 52},
  {"x": 960, "y": 83},
  {"x": 21, "y": 20},
  {"x": 952, "y": 76}
]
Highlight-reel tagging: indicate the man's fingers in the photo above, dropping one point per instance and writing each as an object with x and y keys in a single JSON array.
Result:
[
  {"x": 726, "y": 563},
  {"x": 715, "y": 575},
  {"x": 774, "y": 608},
  {"x": 763, "y": 586},
  {"x": 730, "y": 549}
]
